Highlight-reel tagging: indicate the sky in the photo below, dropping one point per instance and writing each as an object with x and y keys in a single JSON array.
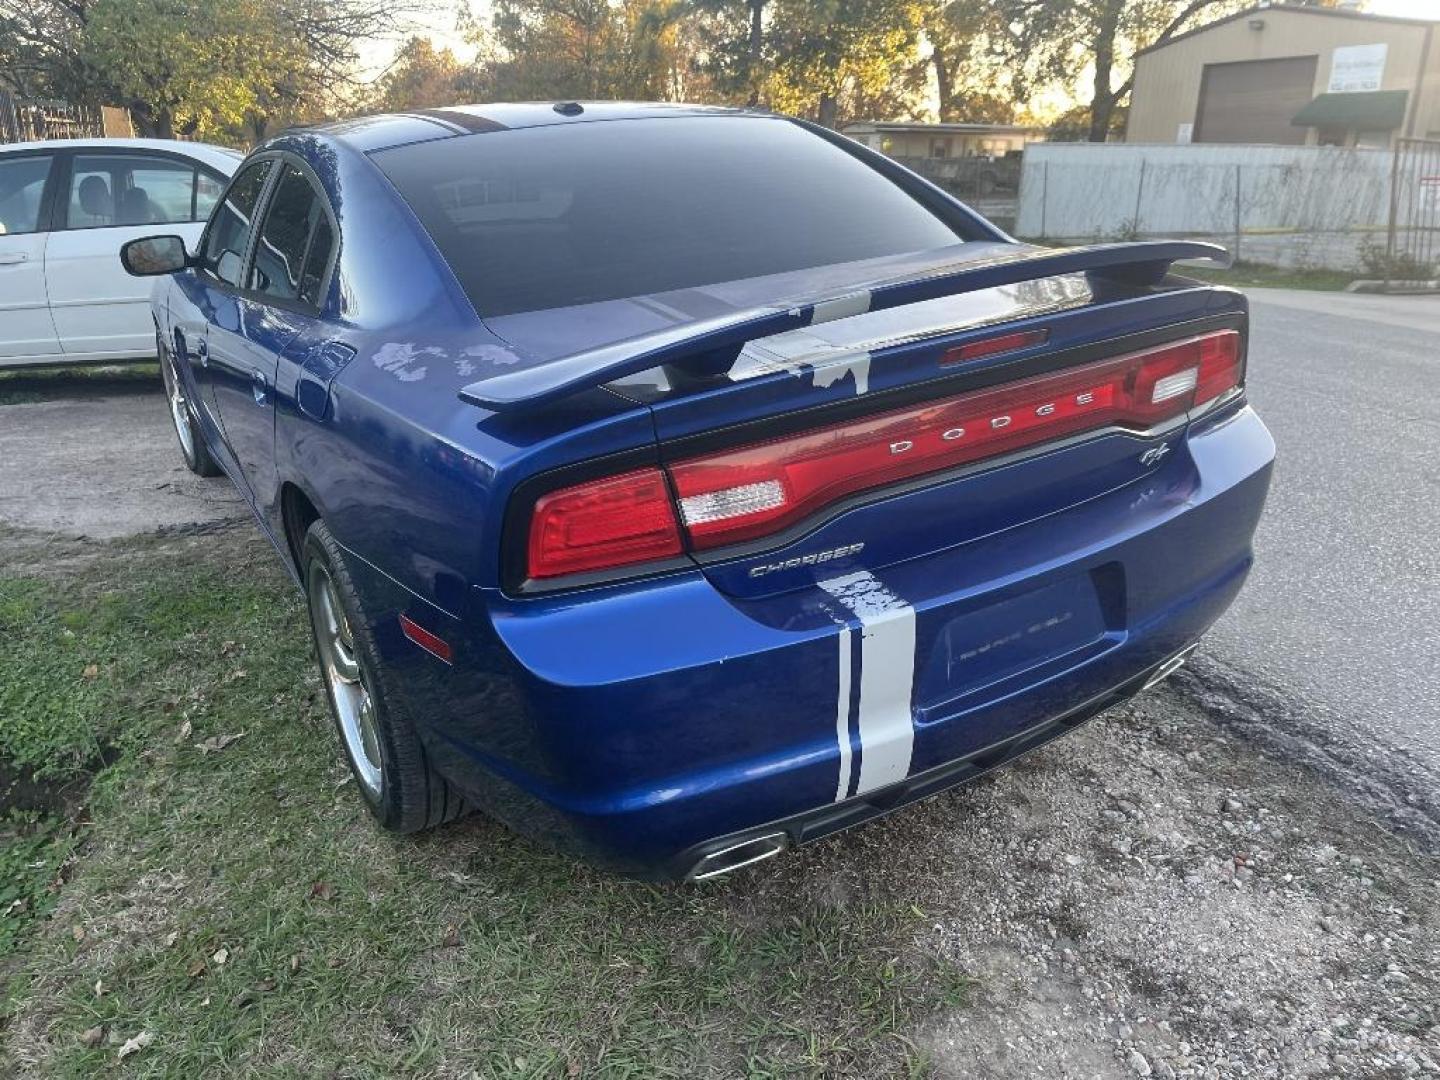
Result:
[{"x": 440, "y": 18}]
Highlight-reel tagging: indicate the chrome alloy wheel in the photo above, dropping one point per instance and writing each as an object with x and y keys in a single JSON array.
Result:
[
  {"x": 346, "y": 678},
  {"x": 179, "y": 407}
]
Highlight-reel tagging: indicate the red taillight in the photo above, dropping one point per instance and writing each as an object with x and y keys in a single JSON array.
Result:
[
  {"x": 757, "y": 490},
  {"x": 603, "y": 524}
]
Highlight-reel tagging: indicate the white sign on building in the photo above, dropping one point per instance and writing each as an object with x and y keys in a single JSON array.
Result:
[{"x": 1357, "y": 68}]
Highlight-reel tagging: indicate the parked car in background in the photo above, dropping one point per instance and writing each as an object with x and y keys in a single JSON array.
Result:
[
  {"x": 691, "y": 484},
  {"x": 65, "y": 209}
]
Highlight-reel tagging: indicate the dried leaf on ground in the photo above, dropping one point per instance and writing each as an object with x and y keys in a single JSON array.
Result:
[
  {"x": 136, "y": 1044},
  {"x": 216, "y": 743}
]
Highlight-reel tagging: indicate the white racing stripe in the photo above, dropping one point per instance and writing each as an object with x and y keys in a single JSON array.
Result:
[
  {"x": 887, "y": 675},
  {"x": 842, "y": 716}
]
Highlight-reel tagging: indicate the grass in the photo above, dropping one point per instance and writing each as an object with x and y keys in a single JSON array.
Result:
[
  {"x": 1247, "y": 275},
  {"x": 239, "y": 906},
  {"x": 25, "y": 385}
]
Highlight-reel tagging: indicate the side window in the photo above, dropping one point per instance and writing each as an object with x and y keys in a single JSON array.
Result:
[
  {"x": 287, "y": 264},
  {"x": 130, "y": 189},
  {"x": 322, "y": 246},
  {"x": 207, "y": 193},
  {"x": 22, "y": 183},
  {"x": 229, "y": 230}
]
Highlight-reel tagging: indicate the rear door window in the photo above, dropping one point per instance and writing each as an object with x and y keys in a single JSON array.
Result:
[
  {"x": 22, "y": 183},
  {"x": 229, "y": 230},
  {"x": 125, "y": 189},
  {"x": 567, "y": 214},
  {"x": 295, "y": 239}
]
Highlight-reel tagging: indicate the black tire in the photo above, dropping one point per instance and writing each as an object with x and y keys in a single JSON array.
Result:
[
  {"x": 191, "y": 440},
  {"x": 411, "y": 795}
]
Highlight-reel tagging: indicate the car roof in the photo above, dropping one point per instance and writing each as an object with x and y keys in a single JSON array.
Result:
[
  {"x": 217, "y": 157},
  {"x": 381, "y": 132}
]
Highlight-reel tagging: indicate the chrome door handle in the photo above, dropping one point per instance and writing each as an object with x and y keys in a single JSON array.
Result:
[
  {"x": 13, "y": 257},
  {"x": 259, "y": 386}
]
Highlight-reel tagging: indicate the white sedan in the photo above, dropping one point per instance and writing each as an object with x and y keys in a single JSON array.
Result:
[{"x": 65, "y": 209}]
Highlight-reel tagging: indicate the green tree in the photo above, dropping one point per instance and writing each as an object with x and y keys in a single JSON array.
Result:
[
  {"x": 588, "y": 49},
  {"x": 188, "y": 66},
  {"x": 826, "y": 51},
  {"x": 421, "y": 77},
  {"x": 1046, "y": 42},
  {"x": 198, "y": 66},
  {"x": 735, "y": 47},
  {"x": 958, "y": 32}
]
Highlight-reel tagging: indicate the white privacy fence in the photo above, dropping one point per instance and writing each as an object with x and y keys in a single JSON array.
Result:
[{"x": 1284, "y": 204}]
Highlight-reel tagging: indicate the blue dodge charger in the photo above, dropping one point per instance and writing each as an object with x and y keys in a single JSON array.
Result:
[{"x": 682, "y": 484}]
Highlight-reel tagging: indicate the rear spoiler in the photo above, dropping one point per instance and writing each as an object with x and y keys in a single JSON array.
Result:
[{"x": 1135, "y": 264}]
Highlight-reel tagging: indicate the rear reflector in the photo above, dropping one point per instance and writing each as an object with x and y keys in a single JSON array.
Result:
[
  {"x": 433, "y": 644},
  {"x": 605, "y": 523},
  {"x": 802, "y": 474},
  {"x": 755, "y": 491}
]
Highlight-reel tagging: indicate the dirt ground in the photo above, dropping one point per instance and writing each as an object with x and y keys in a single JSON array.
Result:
[{"x": 102, "y": 467}]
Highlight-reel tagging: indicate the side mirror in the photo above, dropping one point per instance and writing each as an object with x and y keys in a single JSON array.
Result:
[{"x": 151, "y": 256}]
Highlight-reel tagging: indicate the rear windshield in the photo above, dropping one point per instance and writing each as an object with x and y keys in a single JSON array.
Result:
[{"x": 576, "y": 213}]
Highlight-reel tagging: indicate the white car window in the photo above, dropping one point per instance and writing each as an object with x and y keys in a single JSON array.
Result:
[
  {"x": 22, "y": 182},
  {"x": 115, "y": 189}
]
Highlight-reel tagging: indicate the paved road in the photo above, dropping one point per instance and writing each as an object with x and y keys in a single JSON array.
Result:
[
  {"x": 102, "y": 467},
  {"x": 1342, "y": 614}
]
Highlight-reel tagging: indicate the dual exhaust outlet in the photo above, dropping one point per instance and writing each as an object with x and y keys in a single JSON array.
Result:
[{"x": 757, "y": 849}]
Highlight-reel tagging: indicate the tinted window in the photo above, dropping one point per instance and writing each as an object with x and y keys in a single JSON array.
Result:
[
  {"x": 322, "y": 243},
  {"x": 229, "y": 230},
  {"x": 22, "y": 182},
  {"x": 291, "y": 221},
  {"x": 571, "y": 214},
  {"x": 115, "y": 189}
]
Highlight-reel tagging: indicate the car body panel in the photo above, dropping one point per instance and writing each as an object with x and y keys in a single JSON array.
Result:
[
  {"x": 30, "y": 330},
  {"x": 640, "y": 719},
  {"x": 94, "y": 310}
]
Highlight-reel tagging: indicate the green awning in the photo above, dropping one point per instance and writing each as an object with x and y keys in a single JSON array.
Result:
[{"x": 1375, "y": 110}]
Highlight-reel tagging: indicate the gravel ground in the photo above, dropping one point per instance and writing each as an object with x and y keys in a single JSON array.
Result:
[{"x": 1152, "y": 897}]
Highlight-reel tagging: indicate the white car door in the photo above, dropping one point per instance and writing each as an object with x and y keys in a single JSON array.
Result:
[
  {"x": 26, "y": 331},
  {"x": 113, "y": 196}
]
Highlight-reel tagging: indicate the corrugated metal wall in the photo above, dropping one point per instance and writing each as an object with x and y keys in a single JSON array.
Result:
[{"x": 1082, "y": 190}]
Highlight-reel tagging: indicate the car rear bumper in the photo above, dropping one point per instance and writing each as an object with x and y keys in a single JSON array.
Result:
[
  {"x": 727, "y": 853},
  {"x": 647, "y": 725}
]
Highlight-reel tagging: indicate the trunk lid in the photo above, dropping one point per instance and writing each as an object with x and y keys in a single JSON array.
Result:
[{"x": 732, "y": 367}]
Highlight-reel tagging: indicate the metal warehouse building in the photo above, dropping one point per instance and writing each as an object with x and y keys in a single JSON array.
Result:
[{"x": 1291, "y": 75}]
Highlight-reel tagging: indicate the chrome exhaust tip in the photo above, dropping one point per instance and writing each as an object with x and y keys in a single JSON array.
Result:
[
  {"x": 737, "y": 856},
  {"x": 1168, "y": 668}
]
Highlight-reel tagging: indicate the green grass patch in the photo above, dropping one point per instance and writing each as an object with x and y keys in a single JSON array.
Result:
[
  {"x": 241, "y": 908},
  {"x": 33, "y": 847},
  {"x": 23, "y": 385},
  {"x": 1247, "y": 275}
]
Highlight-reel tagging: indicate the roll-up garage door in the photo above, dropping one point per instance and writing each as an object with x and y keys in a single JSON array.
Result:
[{"x": 1253, "y": 101}]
